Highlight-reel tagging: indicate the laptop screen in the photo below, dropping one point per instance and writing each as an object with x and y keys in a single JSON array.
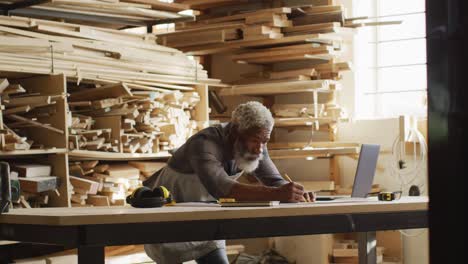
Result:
[{"x": 365, "y": 170}]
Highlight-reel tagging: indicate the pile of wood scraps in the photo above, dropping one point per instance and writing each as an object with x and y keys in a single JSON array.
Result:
[
  {"x": 97, "y": 183},
  {"x": 101, "y": 184},
  {"x": 109, "y": 13},
  {"x": 258, "y": 25},
  {"x": 111, "y": 118},
  {"x": 273, "y": 31},
  {"x": 21, "y": 110},
  {"x": 254, "y": 29},
  {"x": 83, "y": 136},
  {"x": 35, "y": 183},
  {"x": 95, "y": 55}
]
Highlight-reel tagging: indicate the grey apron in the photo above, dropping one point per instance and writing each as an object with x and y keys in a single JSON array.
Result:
[{"x": 184, "y": 187}]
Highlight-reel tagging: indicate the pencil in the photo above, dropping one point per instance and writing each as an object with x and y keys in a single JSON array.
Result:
[
  {"x": 287, "y": 177},
  {"x": 289, "y": 180}
]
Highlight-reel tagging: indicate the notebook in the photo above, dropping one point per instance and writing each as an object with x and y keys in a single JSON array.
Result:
[
  {"x": 250, "y": 204},
  {"x": 363, "y": 178}
]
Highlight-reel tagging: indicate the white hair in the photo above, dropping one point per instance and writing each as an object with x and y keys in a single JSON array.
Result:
[{"x": 252, "y": 115}]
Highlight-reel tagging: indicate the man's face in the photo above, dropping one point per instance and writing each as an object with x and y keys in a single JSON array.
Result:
[
  {"x": 253, "y": 142},
  {"x": 248, "y": 149}
]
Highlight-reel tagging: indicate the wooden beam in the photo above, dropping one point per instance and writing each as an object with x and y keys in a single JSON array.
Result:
[
  {"x": 276, "y": 88},
  {"x": 35, "y": 123},
  {"x": 3, "y": 85},
  {"x": 38, "y": 184}
]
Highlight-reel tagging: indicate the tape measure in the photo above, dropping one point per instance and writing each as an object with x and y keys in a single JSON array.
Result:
[{"x": 389, "y": 196}]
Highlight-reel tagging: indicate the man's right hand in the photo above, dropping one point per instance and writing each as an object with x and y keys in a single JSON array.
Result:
[{"x": 292, "y": 192}]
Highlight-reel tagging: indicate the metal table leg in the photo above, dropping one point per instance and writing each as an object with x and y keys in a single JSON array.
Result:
[
  {"x": 91, "y": 255},
  {"x": 367, "y": 248}
]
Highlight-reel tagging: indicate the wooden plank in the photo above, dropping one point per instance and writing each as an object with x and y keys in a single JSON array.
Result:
[
  {"x": 98, "y": 200},
  {"x": 85, "y": 184},
  {"x": 17, "y": 110},
  {"x": 292, "y": 73},
  {"x": 122, "y": 171},
  {"x": 110, "y": 91},
  {"x": 112, "y": 122},
  {"x": 301, "y": 145},
  {"x": 3, "y": 85},
  {"x": 201, "y": 28},
  {"x": 199, "y": 38},
  {"x": 38, "y": 184},
  {"x": 281, "y": 10},
  {"x": 276, "y": 88},
  {"x": 303, "y": 121},
  {"x": 202, "y": 108},
  {"x": 14, "y": 89},
  {"x": 282, "y": 52},
  {"x": 159, "y": 5},
  {"x": 311, "y": 29},
  {"x": 233, "y": 45},
  {"x": 32, "y": 170},
  {"x": 86, "y": 155},
  {"x": 28, "y": 100},
  {"x": 34, "y": 123},
  {"x": 297, "y": 110}
]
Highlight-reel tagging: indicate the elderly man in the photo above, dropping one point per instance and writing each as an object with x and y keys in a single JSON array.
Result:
[{"x": 206, "y": 167}]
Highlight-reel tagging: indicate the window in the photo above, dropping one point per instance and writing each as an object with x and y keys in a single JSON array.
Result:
[{"x": 390, "y": 60}]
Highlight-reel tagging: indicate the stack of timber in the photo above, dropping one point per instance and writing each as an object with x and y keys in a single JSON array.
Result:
[
  {"x": 298, "y": 44},
  {"x": 111, "y": 118},
  {"x": 21, "y": 112},
  {"x": 265, "y": 25},
  {"x": 109, "y": 13},
  {"x": 82, "y": 136},
  {"x": 95, "y": 55},
  {"x": 102, "y": 184},
  {"x": 35, "y": 184}
]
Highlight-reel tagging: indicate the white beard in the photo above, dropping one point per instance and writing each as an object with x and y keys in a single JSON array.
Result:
[{"x": 245, "y": 164}]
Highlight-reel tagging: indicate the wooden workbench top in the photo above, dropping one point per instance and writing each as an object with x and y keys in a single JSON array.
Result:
[{"x": 119, "y": 215}]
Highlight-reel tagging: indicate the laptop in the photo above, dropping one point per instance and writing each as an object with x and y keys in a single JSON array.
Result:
[{"x": 363, "y": 178}]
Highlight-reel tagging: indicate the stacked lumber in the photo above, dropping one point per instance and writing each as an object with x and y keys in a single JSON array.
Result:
[
  {"x": 100, "y": 184},
  {"x": 330, "y": 70},
  {"x": 253, "y": 26},
  {"x": 111, "y": 118},
  {"x": 82, "y": 136},
  {"x": 116, "y": 13},
  {"x": 35, "y": 183},
  {"x": 258, "y": 25},
  {"x": 346, "y": 251},
  {"x": 271, "y": 32},
  {"x": 95, "y": 55},
  {"x": 21, "y": 109}
]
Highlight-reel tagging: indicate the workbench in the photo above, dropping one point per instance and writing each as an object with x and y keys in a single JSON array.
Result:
[{"x": 91, "y": 229}]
